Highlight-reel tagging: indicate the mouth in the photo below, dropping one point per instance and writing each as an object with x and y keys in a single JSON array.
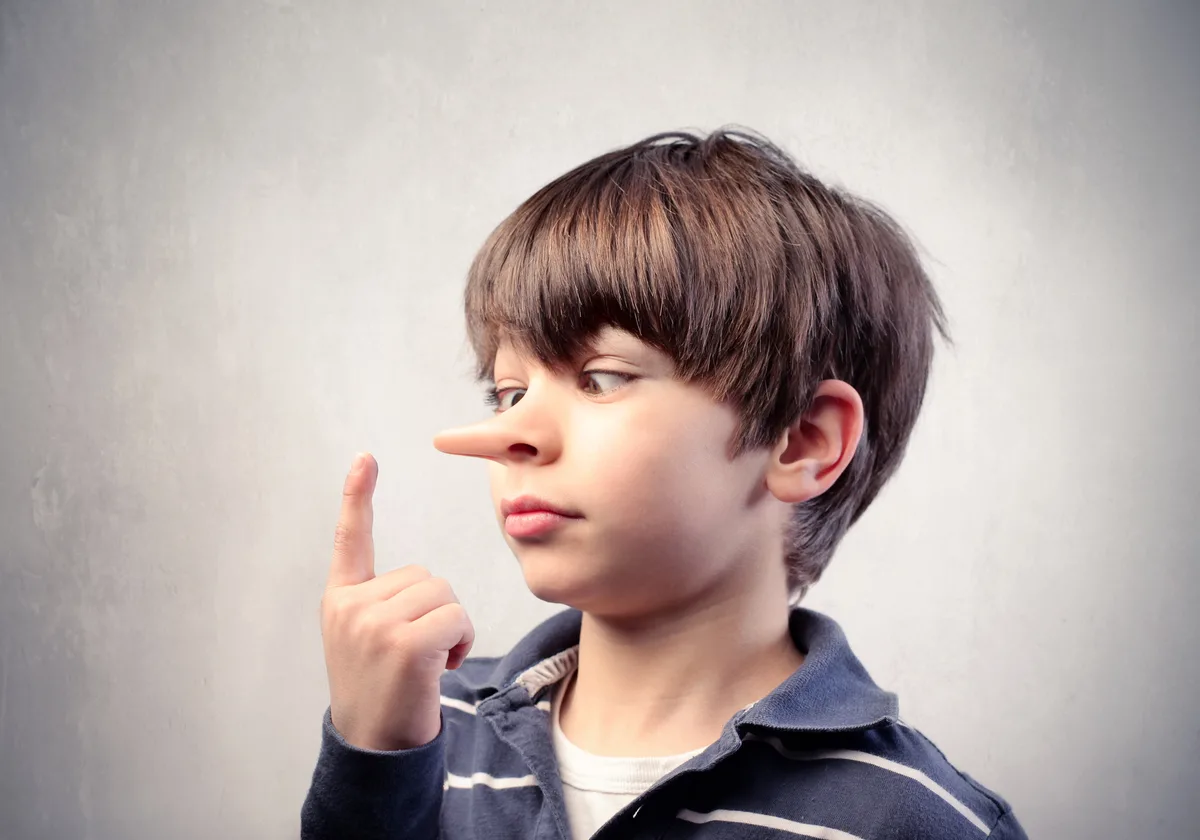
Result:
[
  {"x": 532, "y": 504},
  {"x": 529, "y": 516}
]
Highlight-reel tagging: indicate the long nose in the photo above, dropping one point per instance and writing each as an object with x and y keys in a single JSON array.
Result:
[{"x": 502, "y": 438}]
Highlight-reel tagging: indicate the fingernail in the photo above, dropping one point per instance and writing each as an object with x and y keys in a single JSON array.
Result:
[{"x": 359, "y": 460}]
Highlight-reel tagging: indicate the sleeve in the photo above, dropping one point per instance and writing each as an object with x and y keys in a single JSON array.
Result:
[
  {"x": 1007, "y": 828},
  {"x": 361, "y": 794}
]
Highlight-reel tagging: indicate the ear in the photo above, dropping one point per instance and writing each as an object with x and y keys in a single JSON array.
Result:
[{"x": 817, "y": 448}]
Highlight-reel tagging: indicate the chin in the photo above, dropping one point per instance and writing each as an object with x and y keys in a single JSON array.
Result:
[
  {"x": 585, "y": 593},
  {"x": 556, "y": 582},
  {"x": 554, "y": 588}
]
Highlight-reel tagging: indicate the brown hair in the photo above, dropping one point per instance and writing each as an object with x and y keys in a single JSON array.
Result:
[{"x": 756, "y": 278}]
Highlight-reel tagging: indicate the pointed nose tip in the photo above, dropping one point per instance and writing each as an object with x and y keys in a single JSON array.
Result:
[{"x": 443, "y": 442}]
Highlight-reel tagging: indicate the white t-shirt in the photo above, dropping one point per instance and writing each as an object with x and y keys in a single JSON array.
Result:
[{"x": 597, "y": 786}]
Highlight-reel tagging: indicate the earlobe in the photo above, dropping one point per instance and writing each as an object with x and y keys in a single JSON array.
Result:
[{"x": 817, "y": 448}]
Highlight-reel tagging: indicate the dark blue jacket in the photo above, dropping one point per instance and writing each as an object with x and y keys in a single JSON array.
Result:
[{"x": 824, "y": 755}]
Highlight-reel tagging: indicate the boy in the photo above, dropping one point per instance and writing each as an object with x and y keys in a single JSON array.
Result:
[{"x": 704, "y": 364}]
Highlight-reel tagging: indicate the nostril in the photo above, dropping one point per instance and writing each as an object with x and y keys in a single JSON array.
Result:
[{"x": 522, "y": 448}]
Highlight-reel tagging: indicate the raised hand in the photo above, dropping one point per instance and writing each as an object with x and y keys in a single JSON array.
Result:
[{"x": 387, "y": 639}]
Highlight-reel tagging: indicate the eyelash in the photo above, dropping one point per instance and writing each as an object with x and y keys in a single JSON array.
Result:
[{"x": 492, "y": 396}]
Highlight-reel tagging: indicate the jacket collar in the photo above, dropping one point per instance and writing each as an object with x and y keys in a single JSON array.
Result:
[{"x": 830, "y": 691}]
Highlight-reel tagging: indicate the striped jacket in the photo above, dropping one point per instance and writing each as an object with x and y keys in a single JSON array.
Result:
[{"x": 824, "y": 755}]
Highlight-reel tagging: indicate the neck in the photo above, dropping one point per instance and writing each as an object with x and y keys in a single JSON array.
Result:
[{"x": 667, "y": 683}]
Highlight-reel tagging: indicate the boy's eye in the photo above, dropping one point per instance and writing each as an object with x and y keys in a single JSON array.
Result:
[
  {"x": 621, "y": 378},
  {"x": 496, "y": 398},
  {"x": 499, "y": 398}
]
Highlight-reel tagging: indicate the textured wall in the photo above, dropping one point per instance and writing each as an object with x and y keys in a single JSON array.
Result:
[{"x": 232, "y": 242}]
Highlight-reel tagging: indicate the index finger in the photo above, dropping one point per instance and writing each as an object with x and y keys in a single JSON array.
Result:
[{"x": 353, "y": 545}]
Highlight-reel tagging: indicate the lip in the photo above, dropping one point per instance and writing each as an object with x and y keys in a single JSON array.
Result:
[
  {"x": 534, "y": 524},
  {"x": 532, "y": 504},
  {"x": 529, "y": 516}
]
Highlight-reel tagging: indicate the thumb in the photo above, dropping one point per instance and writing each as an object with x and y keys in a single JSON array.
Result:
[{"x": 353, "y": 544}]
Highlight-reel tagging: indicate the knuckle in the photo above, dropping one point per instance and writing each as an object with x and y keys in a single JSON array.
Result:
[
  {"x": 374, "y": 627},
  {"x": 440, "y": 587},
  {"x": 335, "y": 607},
  {"x": 462, "y": 621},
  {"x": 418, "y": 571},
  {"x": 453, "y": 612}
]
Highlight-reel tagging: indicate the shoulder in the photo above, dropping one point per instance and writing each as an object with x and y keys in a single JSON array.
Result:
[
  {"x": 887, "y": 781},
  {"x": 906, "y": 745},
  {"x": 934, "y": 786}
]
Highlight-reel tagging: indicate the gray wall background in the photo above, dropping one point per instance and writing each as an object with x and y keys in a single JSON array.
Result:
[{"x": 232, "y": 243}]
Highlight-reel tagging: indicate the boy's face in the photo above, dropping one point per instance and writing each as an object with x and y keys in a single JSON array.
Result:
[{"x": 664, "y": 516}]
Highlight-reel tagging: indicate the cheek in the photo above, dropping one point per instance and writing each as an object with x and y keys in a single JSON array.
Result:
[{"x": 648, "y": 466}]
